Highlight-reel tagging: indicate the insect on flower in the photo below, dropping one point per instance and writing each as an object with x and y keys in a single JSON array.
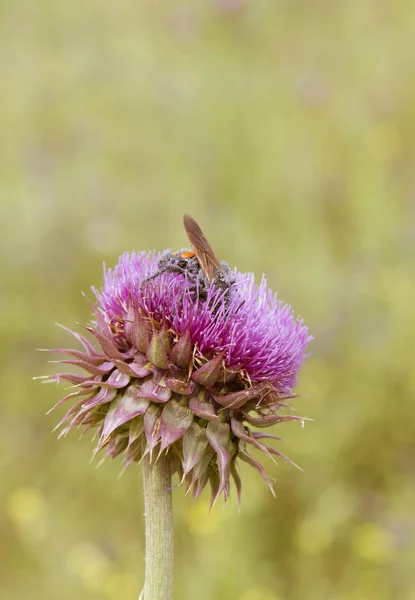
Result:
[
  {"x": 189, "y": 365},
  {"x": 200, "y": 265}
]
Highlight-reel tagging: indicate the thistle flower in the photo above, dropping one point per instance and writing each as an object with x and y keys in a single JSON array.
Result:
[{"x": 187, "y": 365}]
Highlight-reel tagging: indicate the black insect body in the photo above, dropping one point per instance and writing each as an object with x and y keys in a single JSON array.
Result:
[{"x": 190, "y": 268}]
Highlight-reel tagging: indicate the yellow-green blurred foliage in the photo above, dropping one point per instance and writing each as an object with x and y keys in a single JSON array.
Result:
[{"x": 287, "y": 128}]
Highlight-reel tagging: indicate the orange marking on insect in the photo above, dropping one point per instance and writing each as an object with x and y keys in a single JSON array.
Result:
[{"x": 186, "y": 254}]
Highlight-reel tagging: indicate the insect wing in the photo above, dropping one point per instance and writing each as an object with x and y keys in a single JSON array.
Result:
[{"x": 203, "y": 250}]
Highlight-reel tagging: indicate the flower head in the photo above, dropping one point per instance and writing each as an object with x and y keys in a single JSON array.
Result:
[{"x": 185, "y": 364}]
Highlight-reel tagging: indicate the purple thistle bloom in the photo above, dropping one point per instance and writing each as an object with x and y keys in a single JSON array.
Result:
[
  {"x": 256, "y": 332},
  {"x": 185, "y": 366}
]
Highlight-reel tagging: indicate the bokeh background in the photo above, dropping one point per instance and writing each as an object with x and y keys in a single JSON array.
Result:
[{"x": 287, "y": 129}]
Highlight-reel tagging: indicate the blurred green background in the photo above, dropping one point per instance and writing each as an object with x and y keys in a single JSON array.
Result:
[{"x": 287, "y": 129}]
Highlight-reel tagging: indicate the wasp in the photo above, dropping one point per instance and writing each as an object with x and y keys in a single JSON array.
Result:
[{"x": 200, "y": 265}]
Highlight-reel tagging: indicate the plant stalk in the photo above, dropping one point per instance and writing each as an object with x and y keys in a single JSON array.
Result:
[{"x": 158, "y": 582}]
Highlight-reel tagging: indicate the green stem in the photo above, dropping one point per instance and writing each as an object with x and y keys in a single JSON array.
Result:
[{"x": 158, "y": 583}]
